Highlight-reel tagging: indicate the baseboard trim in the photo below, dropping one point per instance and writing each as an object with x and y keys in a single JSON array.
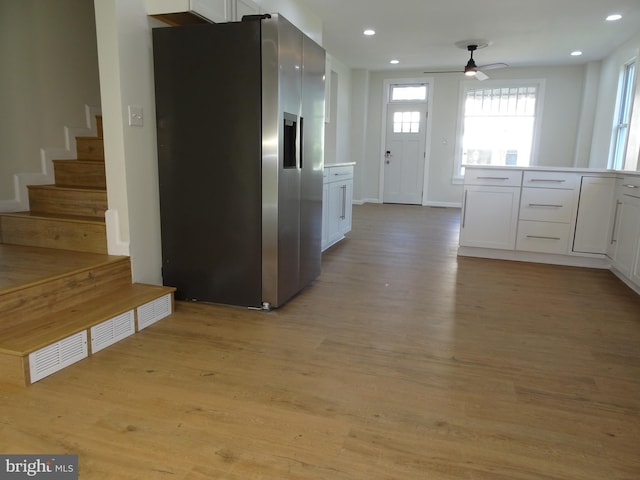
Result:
[
  {"x": 442, "y": 204},
  {"x": 601, "y": 262}
]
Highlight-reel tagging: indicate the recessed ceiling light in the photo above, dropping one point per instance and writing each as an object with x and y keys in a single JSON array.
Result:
[
  {"x": 576, "y": 53},
  {"x": 395, "y": 62},
  {"x": 369, "y": 32},
  {"x": 614, "y": 17}
]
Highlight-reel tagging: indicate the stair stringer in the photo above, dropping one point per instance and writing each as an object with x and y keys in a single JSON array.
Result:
[{"x": 20, "y": 202}]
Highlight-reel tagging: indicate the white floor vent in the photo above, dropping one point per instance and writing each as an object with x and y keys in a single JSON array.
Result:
[
  {"x": 151, "y": 312},
  {"x": 57, "y": 356},
  {"x": 112, "y": 331}
]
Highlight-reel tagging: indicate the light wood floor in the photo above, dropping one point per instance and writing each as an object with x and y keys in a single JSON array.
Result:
[{"x": 401, "y": 362}]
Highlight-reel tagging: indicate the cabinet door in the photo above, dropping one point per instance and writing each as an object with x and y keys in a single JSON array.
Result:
[
  {"x": 489, "y": 217},
  {"x": 594, "y": 213},
  {"x": 625, "y": 252},
  {"x": 347, "y": 206},
  {"x": 335, "y": 211}
]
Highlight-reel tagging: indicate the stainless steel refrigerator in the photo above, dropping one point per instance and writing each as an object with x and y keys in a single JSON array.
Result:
[{"x": 240, "y": 130}]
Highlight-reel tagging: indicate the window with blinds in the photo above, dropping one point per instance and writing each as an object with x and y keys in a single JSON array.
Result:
[{"x": 498, "y": 125}]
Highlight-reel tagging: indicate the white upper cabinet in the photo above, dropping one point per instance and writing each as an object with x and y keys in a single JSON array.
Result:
[
  {"x": 214, "y": 10},
  {"x": 245, "y": 7},
  {"x": 217, "y": 11}
]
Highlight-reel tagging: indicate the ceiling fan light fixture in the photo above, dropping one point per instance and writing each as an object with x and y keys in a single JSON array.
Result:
[{"x": 471, "y": 69}]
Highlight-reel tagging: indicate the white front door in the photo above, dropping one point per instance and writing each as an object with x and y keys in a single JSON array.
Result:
[{"x": 405, "y": 153}]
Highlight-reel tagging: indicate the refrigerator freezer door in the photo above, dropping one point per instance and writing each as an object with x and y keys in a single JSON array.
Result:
[{"x": 208, "y": 106}]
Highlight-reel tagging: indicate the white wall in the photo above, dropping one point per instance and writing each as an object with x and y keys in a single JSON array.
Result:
[
  {"x": 126, "y": 76},
  {"x": 49, "y": 73},
  {"x": 338, "y": 126},
  {"x": 558, "y": 136}
]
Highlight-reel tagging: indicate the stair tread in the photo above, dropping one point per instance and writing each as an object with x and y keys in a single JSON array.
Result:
[
  {"x": 38, "y": 332},
  {"x": 25, "y": 266},
  {"x": 79, "y": 160},
  {"x": 56, "y": 187},
  {"x": 60, "y": 217}
]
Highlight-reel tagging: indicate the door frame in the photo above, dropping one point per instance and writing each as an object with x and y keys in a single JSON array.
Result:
[{"x": 383, "y": 136}]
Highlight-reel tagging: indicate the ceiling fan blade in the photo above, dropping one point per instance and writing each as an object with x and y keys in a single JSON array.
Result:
[
  {"x": 446, "y": 71},
  {"x": 493, "y": 66},
  {"x": 481, "y": 75}
]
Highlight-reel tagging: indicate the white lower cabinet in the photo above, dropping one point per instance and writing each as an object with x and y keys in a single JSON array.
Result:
[
  {"x": 337, "y": 203},
  {"x": 594, "y": 213},
  {"x": 625, "y": 236},
  {"x": 490, "y": 208},
  {"x": 547, "y": 209},
  {"x": 489, "y": 217}
]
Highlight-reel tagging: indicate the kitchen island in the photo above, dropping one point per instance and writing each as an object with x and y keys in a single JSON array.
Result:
[{"x": 565, "y": 216}]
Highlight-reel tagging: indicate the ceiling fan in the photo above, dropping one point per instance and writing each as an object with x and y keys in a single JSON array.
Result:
[{"x": 471, "y": 69}]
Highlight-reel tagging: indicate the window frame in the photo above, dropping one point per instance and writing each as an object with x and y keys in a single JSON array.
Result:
[
  {"x": 624, "y": 108},
  {"x": 466, "y": 86}
]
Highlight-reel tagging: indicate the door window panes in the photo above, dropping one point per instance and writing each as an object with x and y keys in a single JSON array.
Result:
[{"x": 406, "y": 122}]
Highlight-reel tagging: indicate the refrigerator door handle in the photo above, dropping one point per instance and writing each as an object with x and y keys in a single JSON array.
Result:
[{"x": 301, "y": 141}]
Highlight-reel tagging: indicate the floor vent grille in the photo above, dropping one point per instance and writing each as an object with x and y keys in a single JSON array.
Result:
[
  {"x": 151, "y": 312},
  {"x": 112, "y": 331},
  {"x": 57, "y": 356}
]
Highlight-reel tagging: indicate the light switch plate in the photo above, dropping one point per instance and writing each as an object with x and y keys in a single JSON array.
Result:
[{"x": 135, "y": 116}]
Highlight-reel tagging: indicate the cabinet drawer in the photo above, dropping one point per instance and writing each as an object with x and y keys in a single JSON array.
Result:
[
  {"x": 334, "y": 174},
  {"x": 630, "y": 186},
  {"x": 563, "y": 180},
  {"x": 547, "y": 204},
  {"x": 543, "y": 237},
  {"x": 493, "y": 177}
]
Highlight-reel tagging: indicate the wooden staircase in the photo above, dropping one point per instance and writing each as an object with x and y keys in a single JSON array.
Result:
[{"x": 62, "y": 297}]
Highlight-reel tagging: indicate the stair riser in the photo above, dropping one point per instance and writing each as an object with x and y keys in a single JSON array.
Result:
[
  {"x": 52, "y": 233},
  {"x": 90, "y": 148},
  {"x": 144, "y": 305},
  {"x": 14, "y": 370},
  {"x": 74, "y": 173},
  {"x": 88, "y": 203},
  {"x": 63, "y": 292}
]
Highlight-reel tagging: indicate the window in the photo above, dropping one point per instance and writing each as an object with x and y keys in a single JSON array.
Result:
[
  {"x": 623, "y": 109},
  {"x": 408, "y": 93},
  {"x": 498, "y": 125}
]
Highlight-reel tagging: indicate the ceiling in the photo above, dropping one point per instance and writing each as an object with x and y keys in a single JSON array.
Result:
[{"x": 422, "y": 34}]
